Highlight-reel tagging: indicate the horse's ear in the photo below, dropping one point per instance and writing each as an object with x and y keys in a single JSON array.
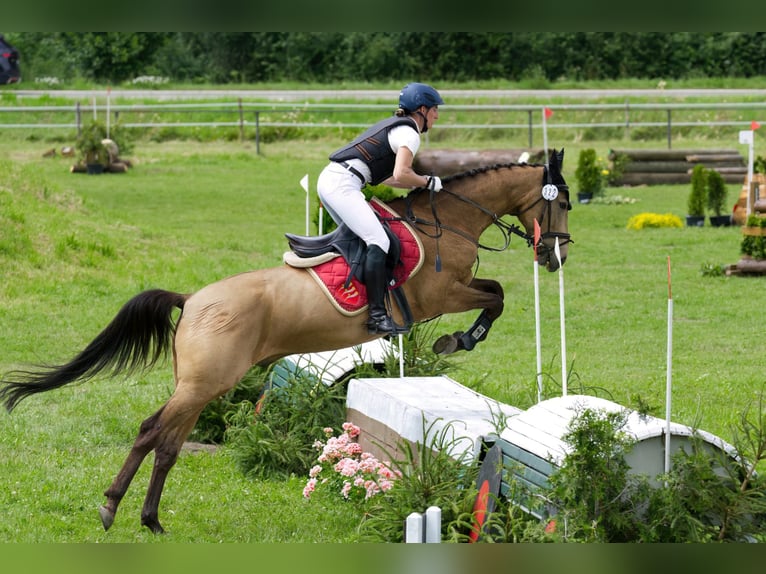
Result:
[{"x": 559, "y": 157}]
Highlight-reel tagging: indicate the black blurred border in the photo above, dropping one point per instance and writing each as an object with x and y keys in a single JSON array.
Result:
[
  {"x": 393, "y": 16},
  {"x": 381, "y": 16},
  {"x": 382, "y": 559}
]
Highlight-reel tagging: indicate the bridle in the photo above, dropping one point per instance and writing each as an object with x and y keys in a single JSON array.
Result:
[{"x": 549, "y": 194}]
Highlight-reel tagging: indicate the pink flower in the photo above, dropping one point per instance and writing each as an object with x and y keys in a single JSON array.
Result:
[
  {"x": 346, "y": 489},
  {"x": 315, "y": 470},
  {"x": 309, "y": 488},
  {"x": 352, "y": 430}
]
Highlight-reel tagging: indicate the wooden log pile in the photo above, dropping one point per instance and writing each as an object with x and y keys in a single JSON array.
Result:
[
  {"x": 446, "y": 162},
  {"x": 661, "y": 166}
]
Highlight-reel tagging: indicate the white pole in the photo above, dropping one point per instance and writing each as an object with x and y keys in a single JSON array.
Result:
[
  {"x": 108, "y": 98},
  {"x": 433, "y": 525},
  {"x": 668, "y": 383},
  {"x": 557, "y": 251},
  {"x": 413, "y": 532},
  {"x": 94, "y": 109},
  {"x": 537, "y": 317},
  {"x": 746, "y": 137},
  {"x": 401, "y": 356},
  {"x": 305, "y": 186},
  {"x": 321, "y": 220},
  {"x": 545, "y": 133}
]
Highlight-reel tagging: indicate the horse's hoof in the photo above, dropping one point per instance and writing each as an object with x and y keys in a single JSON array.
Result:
[
  {"x": 153, "y": 525},
  {"x": 107, "y": 517},
  {"x": 445, "y": 345}
]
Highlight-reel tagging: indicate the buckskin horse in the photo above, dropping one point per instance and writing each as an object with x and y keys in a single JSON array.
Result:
[{"x": 260, "y": 316}]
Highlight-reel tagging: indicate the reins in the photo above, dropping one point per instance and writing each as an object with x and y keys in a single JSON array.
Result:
[{"x": 506, "y": 229}]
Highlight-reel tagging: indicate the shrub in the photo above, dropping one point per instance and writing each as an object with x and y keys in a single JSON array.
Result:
[
  {"x": 754, "y": 245},
  {"x": 644, "y": 220},
  {"x": 695, "y": 205},
  {"x": 716, "y": 192},
  {"x": 591, "y": 176}
]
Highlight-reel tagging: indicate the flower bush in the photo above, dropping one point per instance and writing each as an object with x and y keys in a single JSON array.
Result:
[
  {"x": 644, "y": 220},
  {"x": 343, "y": 468}
]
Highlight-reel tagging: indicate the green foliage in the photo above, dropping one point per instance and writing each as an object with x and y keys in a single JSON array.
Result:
[
  {"x": 593, "y": 490},
  {"x": 278, "y": 440},
  {"x": 759, "y": 164},
  {"x": 697, "y": 199},
  {"x": 90, "y": 146},
  {"x": 215, "y": 417},
  {"x": 754, "y": 245},
  {"x": 716, "y": 192},
  {"x": 430, "y": 476},
  {"x": 591, "y": 176},
  {"x": 530, "y": 58}
]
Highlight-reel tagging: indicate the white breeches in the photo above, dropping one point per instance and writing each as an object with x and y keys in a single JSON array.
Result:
[{"x": 340, "y": 192}]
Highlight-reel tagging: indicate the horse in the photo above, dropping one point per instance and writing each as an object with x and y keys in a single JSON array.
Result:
[{"x": 257, "y": 317}]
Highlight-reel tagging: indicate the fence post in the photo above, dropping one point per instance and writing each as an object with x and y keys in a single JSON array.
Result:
[
  {"x": 669, "y": 128},
  {"x": 419, "y": 528},
  {"x": 529, "y": 122},
  {"x": 433, "y": 524},
  {"x": 77, "y": 117},
  {"x": 413, "y": 531},
  {"x": 258, "y": 133},
  {"x": 241, "y": 122}
]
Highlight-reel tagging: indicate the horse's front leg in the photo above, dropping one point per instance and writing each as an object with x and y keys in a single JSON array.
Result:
[{"x": 485, "y": 294}]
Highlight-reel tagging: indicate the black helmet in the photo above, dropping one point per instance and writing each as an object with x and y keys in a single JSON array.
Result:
[{"x": 415, "y": 95}]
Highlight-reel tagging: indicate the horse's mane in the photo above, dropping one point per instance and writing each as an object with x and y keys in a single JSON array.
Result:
[{"x": 484, "y": 169}]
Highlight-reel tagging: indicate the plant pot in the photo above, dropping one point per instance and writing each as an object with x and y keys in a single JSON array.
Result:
[
  {"x": 94, "y": 168},
  {"x": 584, "y": 197},
  {"x": 720, "y": 220},
  {"x": 695, "y": 220}
]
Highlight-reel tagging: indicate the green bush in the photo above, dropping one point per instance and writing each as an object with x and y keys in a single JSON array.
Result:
[
  {"x": 716, "y": 192},
  {"x": 591, "y": 176},
  {"x": 695, "y": 205}
]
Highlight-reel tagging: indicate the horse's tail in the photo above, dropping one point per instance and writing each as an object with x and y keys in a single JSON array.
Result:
[{"x": 138, "y": 336}]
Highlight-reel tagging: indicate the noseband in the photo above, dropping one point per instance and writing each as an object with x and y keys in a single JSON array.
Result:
[{"x": 549, "y": 193}]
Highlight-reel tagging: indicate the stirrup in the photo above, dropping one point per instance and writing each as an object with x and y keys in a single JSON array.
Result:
[{"x": 385, "y": 326}]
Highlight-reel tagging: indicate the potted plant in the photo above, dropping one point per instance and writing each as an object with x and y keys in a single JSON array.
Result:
[
  {"x": 90, "y": 147},
  {"x": 716, "y": 199},
  {"x": 695, "y": 205},
  {"x": 590, "y": 176}
]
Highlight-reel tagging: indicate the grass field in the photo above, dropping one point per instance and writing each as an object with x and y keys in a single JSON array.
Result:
[{"x": 73, "y": 248}]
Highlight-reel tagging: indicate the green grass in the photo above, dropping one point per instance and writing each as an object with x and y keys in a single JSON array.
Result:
[{"x": 73, "y": 248}]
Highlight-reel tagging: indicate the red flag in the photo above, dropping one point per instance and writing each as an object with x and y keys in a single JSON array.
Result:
[
  {"x": 548, "y": 112},
  {"x": 537, "y": 237},
  {"x": 754, "y": 125}
]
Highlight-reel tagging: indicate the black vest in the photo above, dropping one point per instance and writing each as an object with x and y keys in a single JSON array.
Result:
[{"x": 373, "y": 149}]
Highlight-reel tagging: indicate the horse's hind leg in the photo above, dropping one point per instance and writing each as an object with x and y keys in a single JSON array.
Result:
[
  {"x": 144, "y": 443},
  {"x": 177, "y": 421}
]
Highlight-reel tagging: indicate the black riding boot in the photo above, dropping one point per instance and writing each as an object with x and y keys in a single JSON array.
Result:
[{"x": 375, "y": 282}]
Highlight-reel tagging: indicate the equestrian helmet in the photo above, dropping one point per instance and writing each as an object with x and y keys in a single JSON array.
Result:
[{"x": 415, "y": 95}]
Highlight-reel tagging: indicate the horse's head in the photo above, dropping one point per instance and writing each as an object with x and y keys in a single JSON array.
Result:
[{"x": 549, "y": 205}]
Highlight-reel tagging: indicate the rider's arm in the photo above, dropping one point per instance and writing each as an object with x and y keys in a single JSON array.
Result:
[{"x": 404, "y": 176}]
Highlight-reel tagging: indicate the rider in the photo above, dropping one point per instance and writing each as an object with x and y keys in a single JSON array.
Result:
[{"x": 382, "y": 154}]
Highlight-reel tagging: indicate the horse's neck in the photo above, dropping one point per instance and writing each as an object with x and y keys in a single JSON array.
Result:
[{"x": 501, "y": 191}]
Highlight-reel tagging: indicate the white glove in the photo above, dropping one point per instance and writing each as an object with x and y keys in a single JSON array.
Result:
[{"x": 434, "y": 183}]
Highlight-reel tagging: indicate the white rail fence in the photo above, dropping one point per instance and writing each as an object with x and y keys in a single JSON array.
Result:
[{"x": 250, "y": 118}]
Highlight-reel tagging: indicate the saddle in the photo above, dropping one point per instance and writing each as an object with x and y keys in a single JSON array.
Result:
[{"x": 336, "y": 261}]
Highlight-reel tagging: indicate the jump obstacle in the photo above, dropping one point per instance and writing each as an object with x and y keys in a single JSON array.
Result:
[{"x": 392, "y": 411}]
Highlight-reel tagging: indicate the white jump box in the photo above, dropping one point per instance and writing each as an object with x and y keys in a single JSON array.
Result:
[{"x": 390, "y": 409}]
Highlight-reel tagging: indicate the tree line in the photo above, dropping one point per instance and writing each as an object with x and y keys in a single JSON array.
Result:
[{"x": 333, "y": 57}]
